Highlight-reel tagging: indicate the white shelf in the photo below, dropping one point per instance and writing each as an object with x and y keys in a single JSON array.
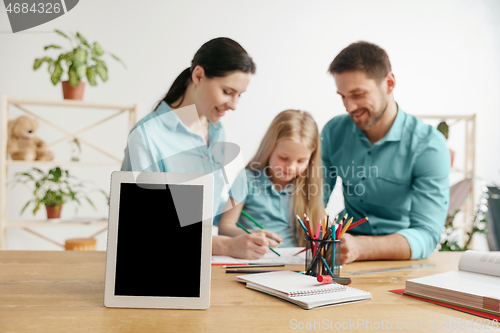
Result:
[
  {"x": 21, "y": 104},
  {"x": 70, "y": 103},
  {"x": 10, "y": 162},
  {"x": 48, "y": 223}
]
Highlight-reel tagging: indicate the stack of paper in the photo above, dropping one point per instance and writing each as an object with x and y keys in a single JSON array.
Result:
[{"x": 475, "y": 285}]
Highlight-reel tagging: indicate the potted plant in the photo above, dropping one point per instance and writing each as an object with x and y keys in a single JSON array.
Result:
[
  {"x": 445, "y": 129},
  {"x": 83, "y": 61},
  {"x": 450, "y": 238},
  {"x": 53, "y": 189}
]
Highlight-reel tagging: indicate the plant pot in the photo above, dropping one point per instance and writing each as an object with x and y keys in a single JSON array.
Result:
[
  {"x": 54, "y": 212},
  {"x": 70, "y": 92}
]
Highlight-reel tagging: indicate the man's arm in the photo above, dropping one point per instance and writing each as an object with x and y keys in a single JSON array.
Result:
[
  {"x": 388, "y": 247},
  {"x": 430, "y": 195},
  {"x": 429, "y": 206}
]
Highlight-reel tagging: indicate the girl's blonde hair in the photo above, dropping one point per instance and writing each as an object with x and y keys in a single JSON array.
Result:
[{"x": 298, "y": 126}]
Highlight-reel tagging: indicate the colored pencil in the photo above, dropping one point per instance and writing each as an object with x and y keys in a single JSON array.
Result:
[
  {"x": 251, "y": 219},
  {"x": 251, "y": 271},
  {"x": 300, "y": 252},
  {"x": 302, "y": 225},
  {"x": 323, "y": 227},
  {"x": 355, "y": 224},
  {"x": 326, "y": 266},
  {"x": 321, "y": 234},
  {"x": 334, "y": 233},
  {"x": 250, "y": 265},
  {"x": 318, "y": 228},
  {"x": 341, "y": 224},
  {"x": 344, "y": 229},
  {"x": 308, "y": 225},
  {"x": 316, "y": 256},
  {"x": 248, "y": 232}
]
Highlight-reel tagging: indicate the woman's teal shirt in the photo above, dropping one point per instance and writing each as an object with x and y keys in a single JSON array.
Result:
[{"x": 160, "y": 142}]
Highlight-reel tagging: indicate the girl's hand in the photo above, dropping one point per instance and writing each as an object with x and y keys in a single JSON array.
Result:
[
  {"x": 248, "y": 246},
  {"x": 274, "y": 239}
]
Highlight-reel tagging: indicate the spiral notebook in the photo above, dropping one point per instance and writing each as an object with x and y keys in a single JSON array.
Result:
[{"x": 302, "y": 290}]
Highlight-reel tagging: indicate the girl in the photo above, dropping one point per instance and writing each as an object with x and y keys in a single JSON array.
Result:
[
  {"x": 282, "y": 180},
  {"x": 181, "y": 134}
]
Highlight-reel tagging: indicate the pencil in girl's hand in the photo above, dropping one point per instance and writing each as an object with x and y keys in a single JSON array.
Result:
[
  {"x": 248, "y": 232},
  {"x": 255, "y": 222},
  {"x": 251, "y": 219}
]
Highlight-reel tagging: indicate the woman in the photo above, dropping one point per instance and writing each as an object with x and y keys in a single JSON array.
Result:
[{"x": 181, "y": 135}]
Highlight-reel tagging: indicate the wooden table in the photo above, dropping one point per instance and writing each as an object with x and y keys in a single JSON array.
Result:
[{"x": 63, "y": 291}]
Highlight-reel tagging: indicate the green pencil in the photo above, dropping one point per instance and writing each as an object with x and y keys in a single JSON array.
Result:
[
  {"x": 251, "y": 219},
  {"x": 248, "y": 232}
]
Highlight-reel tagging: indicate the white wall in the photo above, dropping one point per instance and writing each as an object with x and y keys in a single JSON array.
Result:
[{"x": 444, "y": 55}]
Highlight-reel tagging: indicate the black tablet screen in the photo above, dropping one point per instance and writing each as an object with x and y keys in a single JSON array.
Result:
[{"x": 159, "y": 240}]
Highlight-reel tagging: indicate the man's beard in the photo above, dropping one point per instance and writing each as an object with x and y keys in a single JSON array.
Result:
[{"x": 377, "y": 116}]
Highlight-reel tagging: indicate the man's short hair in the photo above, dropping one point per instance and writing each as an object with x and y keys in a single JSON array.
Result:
[{"x": 362, "y": 56}]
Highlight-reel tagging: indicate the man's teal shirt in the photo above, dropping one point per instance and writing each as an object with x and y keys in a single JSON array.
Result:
[{"x": 401, "y": 182}]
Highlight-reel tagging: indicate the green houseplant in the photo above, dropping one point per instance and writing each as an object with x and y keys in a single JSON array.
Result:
[
  {"x": 450, "y": 237},
  {"x": 82, "y": 61},
  {"x": 53, "y": 189},
  {"x": 445, "y": 129}
]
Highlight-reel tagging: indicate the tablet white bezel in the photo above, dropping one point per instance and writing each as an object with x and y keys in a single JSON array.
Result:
[{"x": 202, "y": 302}]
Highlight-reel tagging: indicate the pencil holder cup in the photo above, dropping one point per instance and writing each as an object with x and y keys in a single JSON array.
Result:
[{"x": 321, "y": 252}]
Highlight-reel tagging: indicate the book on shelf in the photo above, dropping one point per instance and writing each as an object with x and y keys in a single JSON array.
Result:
[
  {"x": 475, "y": 285},
  {"x": 302, "y": 290}
]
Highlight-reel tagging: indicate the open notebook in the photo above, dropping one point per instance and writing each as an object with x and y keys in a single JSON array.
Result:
[
  {"x": 302, "y": 290},
  {"x": 475, "y": 285},
  {"x": 288, "y": 256}
]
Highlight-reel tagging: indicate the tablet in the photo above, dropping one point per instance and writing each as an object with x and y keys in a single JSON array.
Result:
[{"x": 159, "y": 241}]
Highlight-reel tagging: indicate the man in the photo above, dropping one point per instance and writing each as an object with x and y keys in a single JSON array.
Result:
[{"x": 394, "y": 168}]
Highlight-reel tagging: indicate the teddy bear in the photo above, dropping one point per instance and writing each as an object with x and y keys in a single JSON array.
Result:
[{"x": 22, "y": 144}]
